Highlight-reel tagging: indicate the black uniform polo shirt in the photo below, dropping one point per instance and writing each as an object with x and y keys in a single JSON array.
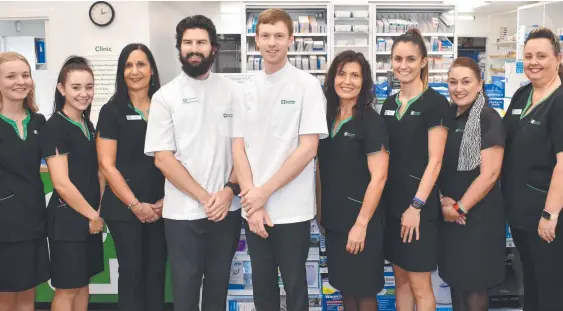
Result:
[
  {"x": 344, "y": 170},
  {"x": 408, "y": 142},
  {"x": 454, "y": 183},
  {"x": 128, "y": 127},
  {"x": 532, "y": 143},
  {"x": 22, "y": 200},
  {"x": 68, "y": 137}
]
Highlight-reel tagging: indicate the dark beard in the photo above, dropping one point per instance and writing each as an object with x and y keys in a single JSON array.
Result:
[{"x": 199, "y": 69}]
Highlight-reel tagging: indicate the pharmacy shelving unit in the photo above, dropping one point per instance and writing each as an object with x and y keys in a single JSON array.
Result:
[
  {"x": 314, "y": 57},
  {"x": 351, "y": 29},
  {"x": 435, "y": 21},
  {"x": 542, "y": 14}
]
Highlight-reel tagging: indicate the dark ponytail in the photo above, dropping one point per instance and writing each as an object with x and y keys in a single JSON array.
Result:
[
  {"x": 546, "y": 33},
  {"x": 73, "y": 63},
  {"x": 414, "y": 36}
]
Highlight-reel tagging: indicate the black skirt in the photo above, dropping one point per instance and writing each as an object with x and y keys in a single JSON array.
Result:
[
  {"x": 417, "y": 256},
  {"x": 23, "y": 265},
  {"x": 74, "y": 263},
  {"x": 471, "y": 257},
  {"x": 358, "y": 275}
]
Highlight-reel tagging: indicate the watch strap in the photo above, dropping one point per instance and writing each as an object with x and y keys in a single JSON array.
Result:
[{"x": 234, "y": 187}]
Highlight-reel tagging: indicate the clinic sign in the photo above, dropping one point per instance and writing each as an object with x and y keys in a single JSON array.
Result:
[{"x": 103, "y": 287}]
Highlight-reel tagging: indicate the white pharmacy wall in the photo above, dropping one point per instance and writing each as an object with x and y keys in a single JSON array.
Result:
[
  {"x": 69, "y": 31},
  {"x": 228, "y": 18}
]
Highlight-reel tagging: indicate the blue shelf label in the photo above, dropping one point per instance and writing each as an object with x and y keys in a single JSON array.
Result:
[{"x": 519, "y": 67}]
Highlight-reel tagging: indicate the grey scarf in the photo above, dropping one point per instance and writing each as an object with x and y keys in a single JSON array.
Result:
[{"x": 470, "y": 150}]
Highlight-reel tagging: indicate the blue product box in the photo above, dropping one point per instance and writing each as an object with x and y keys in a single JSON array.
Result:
[
  {"x": 386, "y": 303},
  {"x": 496, "y": 103},
  {"x": 381, "y": 90},
  {"x": 496, "y": 89},
  {"x": 441, "y": 88},
  {"x": 332, "y": 298}
]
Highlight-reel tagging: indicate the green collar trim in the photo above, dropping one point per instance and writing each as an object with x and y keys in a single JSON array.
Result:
[
  {"x": 412, "y": 100},
  {"x": 139, "y": 112},
  {"x": 14, "y": 124},
  {"x": 85, "y": 131},
  {"x": 529, "y": 103},
  {"x": 335, "y": 130}
]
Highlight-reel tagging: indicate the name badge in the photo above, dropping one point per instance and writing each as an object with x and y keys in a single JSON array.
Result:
[
  {"x": 190, "y": 100},
  {"x": 134, "y": 117},
  {"x": 517, "y": 111},
  {"x": 534, "y": 122},
  {"x": 389, "y": 112}
]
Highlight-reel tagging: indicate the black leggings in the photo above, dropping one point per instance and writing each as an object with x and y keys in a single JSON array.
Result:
[
  {"x": 352, "y": 303},
  {"x": 470, "y": 300}
]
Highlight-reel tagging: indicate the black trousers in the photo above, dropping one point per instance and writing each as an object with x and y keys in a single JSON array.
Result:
[
  {"x": 542, "y": 264},
  {"x": 141, "y": 253},
  {"x": 202, "y": 249},
  {"x": 286, "y": 248}
]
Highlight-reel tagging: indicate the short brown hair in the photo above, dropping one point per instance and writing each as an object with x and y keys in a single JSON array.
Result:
[
  {"x": 469, "y": 63},
  {"x": 272, "y": 16},
  {"x": 29, "y": 101}
]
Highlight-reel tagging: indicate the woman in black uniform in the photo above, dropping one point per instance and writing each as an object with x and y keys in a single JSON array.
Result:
[
  {"x": 472, "y": 238},
  {"x": 351, "y": 174},
  {"x": 24, "y": 259},
  {"x": 132, "y": 204},
  {"x": 532, "y": 174},
  {"x": 74, "y": 223},
  {"x": 417, "y": 120}
]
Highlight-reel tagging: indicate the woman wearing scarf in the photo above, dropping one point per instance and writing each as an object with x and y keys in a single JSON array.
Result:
[{"x": 472, "y": 246}]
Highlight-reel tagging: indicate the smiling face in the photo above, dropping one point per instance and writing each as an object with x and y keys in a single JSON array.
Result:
[
  {"x": 15, "y": 80},
  {"x": 407, "y": 62},
  {"x": 273, "y": 42},
  {"x": 348, "y": 81},
  {"x": 138, "y": 71},
  {"x": 463, "y": 85},
  {"x": 540, "y": 61},
  {"x": 196, "y": 52},
  {"x": 78, "y": 89}
]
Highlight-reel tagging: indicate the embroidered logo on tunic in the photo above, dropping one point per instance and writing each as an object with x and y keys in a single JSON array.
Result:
[
  {"x": 459, "y": 130},
  {"x": 534, "y": 122},
  {"x": 415, "y": 113},
  {"x": 35, "y": 132},
  {"x": 227, "y": 115},
  {"x": 287, "y": 102},
  {"x": 389, "y": 112},
  {"x": 349, "y": 134}
]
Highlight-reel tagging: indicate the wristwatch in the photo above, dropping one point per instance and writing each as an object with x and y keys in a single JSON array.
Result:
[
  {"x": 548, "y": 215},
  {"x": 417, "y": 203},
  {"x": 234, "y": 187}
]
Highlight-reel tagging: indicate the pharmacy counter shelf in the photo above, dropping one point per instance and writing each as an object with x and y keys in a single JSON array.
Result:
[{"x": 424, "y": 34}]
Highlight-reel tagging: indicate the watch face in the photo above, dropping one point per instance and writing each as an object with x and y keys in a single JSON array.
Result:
[
  {"x": 102, "y": 13},
  {"x": 546, "y": 215}
]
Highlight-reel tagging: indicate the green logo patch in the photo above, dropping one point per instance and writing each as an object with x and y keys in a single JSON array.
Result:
[{"x": 287, "y": 102}]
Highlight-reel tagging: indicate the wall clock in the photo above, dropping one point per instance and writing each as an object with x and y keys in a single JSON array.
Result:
[{"x": 101, "y": 13}]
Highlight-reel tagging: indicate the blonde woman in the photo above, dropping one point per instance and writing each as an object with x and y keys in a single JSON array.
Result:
[{"x": 24, "y": 260}]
